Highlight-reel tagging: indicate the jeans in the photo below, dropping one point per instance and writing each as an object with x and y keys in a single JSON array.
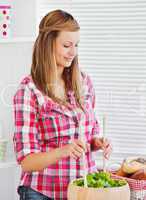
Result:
[{"x": 27, "y": 193}]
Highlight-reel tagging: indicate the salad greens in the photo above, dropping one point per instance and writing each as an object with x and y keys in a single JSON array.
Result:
[{"x": 100, "y": 180}]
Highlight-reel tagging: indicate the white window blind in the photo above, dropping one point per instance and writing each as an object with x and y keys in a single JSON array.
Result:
[{"x": 113, "y": 52}]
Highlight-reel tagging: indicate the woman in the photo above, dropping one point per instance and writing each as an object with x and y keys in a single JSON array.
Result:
[{"x": 54, "y": 114}]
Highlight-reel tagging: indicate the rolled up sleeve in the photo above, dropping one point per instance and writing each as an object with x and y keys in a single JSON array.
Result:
[{"x": 26, "y": 126}]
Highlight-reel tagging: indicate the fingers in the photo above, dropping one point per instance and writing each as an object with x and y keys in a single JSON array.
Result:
[
  {"x": 75, "y": 149},
  {"x": 81, "y": 144},
  {"x": 108, "y": 151},
  {"x": 106, "y": 146},
  {"x": 74, "y": 155},
  {"x": 104, "y": 143},
  {"x": 78, "y": 148}
]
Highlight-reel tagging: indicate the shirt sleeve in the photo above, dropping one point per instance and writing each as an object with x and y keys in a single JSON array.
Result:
[
  {"x": 91, "y": 90},
  {"x": 25, "y": 120}
]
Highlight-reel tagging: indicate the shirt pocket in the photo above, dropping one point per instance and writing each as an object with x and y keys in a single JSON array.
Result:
[{"x": 56, "y": 127}]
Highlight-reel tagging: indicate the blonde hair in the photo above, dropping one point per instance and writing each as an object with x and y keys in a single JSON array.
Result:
[{"x": 44, "y": 68}]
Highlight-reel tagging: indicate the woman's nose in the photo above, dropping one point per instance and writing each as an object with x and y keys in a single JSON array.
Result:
[{"x": 73, "y": 51}]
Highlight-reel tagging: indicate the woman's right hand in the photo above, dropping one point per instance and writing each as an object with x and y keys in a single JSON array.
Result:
[{"x": 75, "y": 149}]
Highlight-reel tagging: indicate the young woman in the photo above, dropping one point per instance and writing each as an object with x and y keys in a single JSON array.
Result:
[{"x": 54, "y": 114}]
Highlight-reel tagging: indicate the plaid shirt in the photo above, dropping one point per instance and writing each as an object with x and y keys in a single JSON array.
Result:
[{"x": 41, "y": 125}]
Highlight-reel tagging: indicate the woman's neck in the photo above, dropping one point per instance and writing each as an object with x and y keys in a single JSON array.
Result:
[{"x": 60, "y": 70}]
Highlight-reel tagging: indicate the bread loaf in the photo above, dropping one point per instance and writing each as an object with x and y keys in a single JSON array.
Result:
[
  {"x": 120, "y": 172},
  {"x": 132, "y": 165},
  {"x": 139, "y": 175}
]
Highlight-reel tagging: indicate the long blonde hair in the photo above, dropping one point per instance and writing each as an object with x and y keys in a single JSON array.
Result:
[{"x": 44, "y": 68}]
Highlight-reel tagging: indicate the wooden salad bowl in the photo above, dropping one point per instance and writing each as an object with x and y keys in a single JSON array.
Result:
[{"x": 89, "y": 193}]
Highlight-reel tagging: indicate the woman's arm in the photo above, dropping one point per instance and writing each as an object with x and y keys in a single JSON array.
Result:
[
  {"x": 26, "y": 144},
  {"x": 41, "y": 160}
]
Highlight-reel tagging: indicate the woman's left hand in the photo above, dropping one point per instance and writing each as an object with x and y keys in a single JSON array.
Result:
[{"x": 104, "y": 144}]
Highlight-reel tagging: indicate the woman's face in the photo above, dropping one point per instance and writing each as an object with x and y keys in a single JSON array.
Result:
[{"x": 66, "y": 48}]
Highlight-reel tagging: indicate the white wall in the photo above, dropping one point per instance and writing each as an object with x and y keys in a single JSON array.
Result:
[{"x": 15, "y": 62}]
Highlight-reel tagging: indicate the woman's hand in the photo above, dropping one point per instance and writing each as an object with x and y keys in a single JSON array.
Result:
[
  {"x": 75, "y": 149},
  {"x": 105, "y": 145}
]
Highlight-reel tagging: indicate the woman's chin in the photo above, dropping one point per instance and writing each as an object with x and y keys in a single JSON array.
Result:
[{"x": 67, "y": 64}]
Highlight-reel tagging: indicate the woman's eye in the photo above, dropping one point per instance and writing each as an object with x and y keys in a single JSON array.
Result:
[{"x": 66, "y": 46}]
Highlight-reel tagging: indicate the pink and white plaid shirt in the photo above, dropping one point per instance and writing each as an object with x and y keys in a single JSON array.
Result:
[{"x": 41, "y": 125}]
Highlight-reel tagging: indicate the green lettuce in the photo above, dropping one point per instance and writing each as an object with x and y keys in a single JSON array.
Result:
[{"x": 100, "y": 180}]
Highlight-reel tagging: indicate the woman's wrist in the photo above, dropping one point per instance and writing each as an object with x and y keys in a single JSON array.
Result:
[{"x": 59, "y": 153}]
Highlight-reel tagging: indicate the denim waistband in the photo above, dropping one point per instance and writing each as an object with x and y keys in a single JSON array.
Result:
[{"x": 26, "y": 193}]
